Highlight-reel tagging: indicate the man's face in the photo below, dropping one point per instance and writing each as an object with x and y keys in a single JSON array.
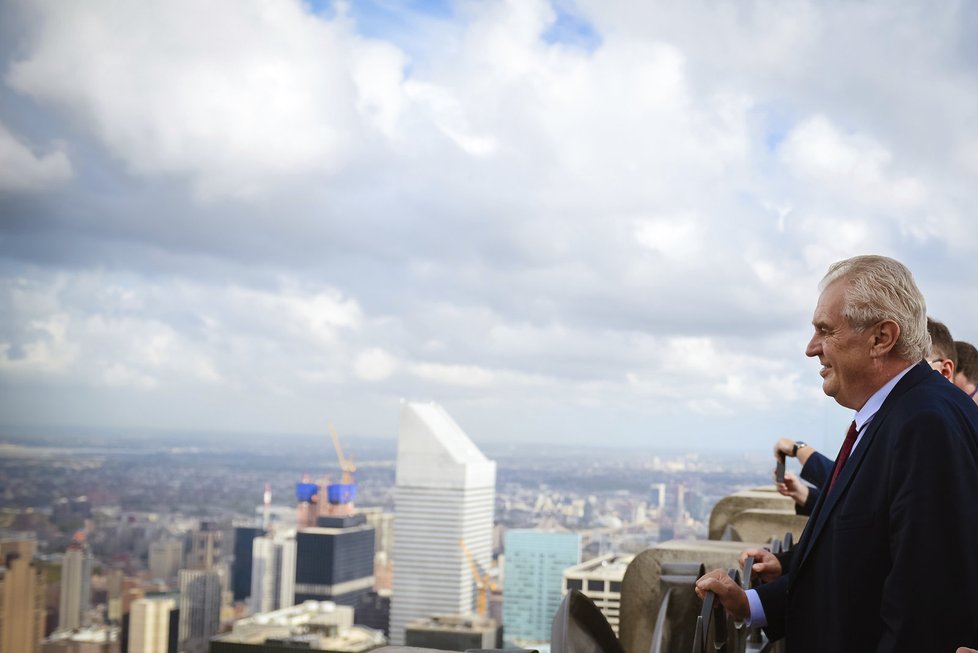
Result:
[
  {"x": 843, "y": 352},
  {"x": 960, "y": 380}
]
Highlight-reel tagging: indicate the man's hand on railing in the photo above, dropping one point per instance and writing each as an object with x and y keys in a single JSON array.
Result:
[
  {"x": 766, "y": 566},
  {"x": 730, "y": 595}
]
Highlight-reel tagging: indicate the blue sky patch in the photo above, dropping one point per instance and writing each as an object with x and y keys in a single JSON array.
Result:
[{"x": 572, "y": 29}]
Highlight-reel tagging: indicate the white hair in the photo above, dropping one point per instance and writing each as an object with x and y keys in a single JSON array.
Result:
[{"x": 880, "y": 288}]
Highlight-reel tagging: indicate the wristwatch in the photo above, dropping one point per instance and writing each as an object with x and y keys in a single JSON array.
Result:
[{"x": 798, "y": 445}]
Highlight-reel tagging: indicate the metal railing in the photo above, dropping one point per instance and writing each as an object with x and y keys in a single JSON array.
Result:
[{"x": 715, "y": 632}]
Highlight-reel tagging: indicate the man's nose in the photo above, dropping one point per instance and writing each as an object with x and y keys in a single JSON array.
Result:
[{"x": 814, "y": 347}]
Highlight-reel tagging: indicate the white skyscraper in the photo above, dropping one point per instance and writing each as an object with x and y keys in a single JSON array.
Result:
[
  {"x": 272, "y": 573},
  {"x": 76, "y": 587},
  {"x": 444, "y": 494},
  {"x": 149, "y": 625}
]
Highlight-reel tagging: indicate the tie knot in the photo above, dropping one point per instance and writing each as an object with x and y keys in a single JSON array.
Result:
[{"x": 853, "y": 431}]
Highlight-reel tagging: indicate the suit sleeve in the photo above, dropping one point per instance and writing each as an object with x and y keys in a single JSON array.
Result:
[
  {"x": 817, "y": 469},
  {"x": 806, "y": 510},
  {"x": 774, "y": 597},
  {"x": 929, "y": 595}
]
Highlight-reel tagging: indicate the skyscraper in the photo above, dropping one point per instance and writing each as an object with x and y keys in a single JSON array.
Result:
[
  {"x": 165, "y": 559},
  {"x": 444, "y": 493},
  {"x": 21, "y": 597},
  {"x": 76, "y": 584},
  {"x": 272, "y": 574},
  {"x": 149, "y": 625},
  {"x": 241, "y": 568},
  {"x": 206, "y": 546},
  {"x": 200, "y": 608},
  {"x": 535, "y": 564},
  {"x": 335, "y": 560}
]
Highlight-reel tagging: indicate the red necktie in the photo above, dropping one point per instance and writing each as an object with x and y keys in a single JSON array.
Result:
[{"x": 844, "y": 453}]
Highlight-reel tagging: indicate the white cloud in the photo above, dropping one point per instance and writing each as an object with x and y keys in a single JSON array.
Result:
[
  {"x": 374, "y": 364},
  {"x": 852, "y": 166},
  {"x": 123, "y": 376},
  {"x": 459, "y": 208},
  {"x": 23, "y": 170},
  {"x": 238, "y": 97},
  {"x": 307, "y": 315},
  {"x": 47, "y": 348},
  {"x": 676, "y": 237}
]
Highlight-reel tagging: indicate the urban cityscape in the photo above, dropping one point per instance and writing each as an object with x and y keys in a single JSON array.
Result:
[{"x": 340, "y": 544}]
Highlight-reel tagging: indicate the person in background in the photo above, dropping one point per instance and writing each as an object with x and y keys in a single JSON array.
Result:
[
  {"x": 966, "y": 375},
  {"x": 943, "y": 355},
  {"x": 815, "y": 468}
]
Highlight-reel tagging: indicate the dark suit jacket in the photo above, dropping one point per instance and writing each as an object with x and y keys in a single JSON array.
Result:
[
  {"x": 817, "y": 471},
  {"x": 889, "y": 558}
]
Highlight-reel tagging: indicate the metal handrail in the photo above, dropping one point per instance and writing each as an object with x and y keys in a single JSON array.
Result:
[{"x": 713, "y": 615}]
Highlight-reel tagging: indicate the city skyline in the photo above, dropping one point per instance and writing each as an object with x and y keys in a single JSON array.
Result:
[
  {"x": 158, "y": 521},
  {"x": 564, "y": 220}
]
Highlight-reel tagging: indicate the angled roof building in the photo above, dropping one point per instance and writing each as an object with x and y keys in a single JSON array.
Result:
[{"x": 444, "y": 494}]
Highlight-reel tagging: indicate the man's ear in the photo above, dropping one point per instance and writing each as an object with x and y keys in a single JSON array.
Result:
[
  {"x": 947, "y": 369},
  {"x": 884, "y": 336}
]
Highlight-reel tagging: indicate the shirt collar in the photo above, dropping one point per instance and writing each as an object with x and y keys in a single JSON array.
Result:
[{"x": 864, "y": 414}]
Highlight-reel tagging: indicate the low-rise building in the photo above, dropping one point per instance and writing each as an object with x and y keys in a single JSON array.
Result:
[{"x": 312, "y": 625}]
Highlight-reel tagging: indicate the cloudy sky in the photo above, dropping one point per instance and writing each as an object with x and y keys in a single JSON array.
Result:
[{"x": 566, "y": 221}]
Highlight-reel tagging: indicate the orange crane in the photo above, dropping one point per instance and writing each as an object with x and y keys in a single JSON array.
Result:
[
  {"x": 345, "y": 464},
  {"x": 483, "y": 581},
  {"x": 340, "y": 495}
]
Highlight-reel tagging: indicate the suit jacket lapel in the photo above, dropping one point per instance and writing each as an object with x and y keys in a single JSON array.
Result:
[{"x": 828, "y": 500}]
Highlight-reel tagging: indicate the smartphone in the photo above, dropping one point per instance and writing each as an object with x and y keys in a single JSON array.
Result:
[{"x": 779, "y": 470}]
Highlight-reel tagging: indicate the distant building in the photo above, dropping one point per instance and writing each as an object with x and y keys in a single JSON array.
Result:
[
  {"x": 272, "y": 574},
  {"x": 659, "y": 495},
  {"x": 244, "y": 537},
  {"x": 454, "y": 633},
  {"x": 374, "y": 611},
  {"x": 149, "y": 625},
  {"x": 200, "y": 608},
  {"x": 165, "y": 559},
  {"x": 312, "y": 626},
  {"x": 444, "y": 493},
  {"x": 534, "y": 568},
  {"x": 334, "y": 561},
  {"x": 600, "y": 580},
  {"x": 21, "y": 597},
  {"x": 206, "y": 546},
  {"x": 91, "y": 639},
  {"x": 76, "y": 586},
  {"x": 383, "y": 523}
]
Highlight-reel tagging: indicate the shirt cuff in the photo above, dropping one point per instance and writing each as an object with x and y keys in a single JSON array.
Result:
[{"x": 757, "y": 618}]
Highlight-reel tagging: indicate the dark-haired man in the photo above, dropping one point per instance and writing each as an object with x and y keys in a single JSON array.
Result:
[
  {"x": 943, "y": 355},
  {"x": 966, "y": 375}
]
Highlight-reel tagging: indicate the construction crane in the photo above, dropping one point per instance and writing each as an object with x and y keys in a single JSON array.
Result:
[
  {"x": 483, "y": 581},
  {"x": 340, "y": 495},
  {"x": 345, "y": 464}
]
